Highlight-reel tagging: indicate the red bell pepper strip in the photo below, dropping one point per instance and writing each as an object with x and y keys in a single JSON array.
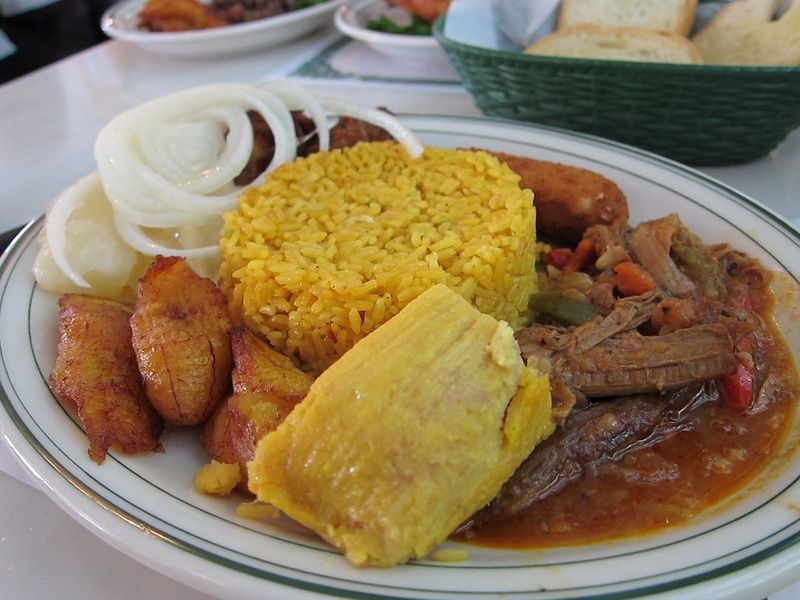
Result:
[{"x": 737, "y": 388}]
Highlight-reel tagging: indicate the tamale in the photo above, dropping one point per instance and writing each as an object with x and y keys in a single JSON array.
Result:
[{"x": 410, "y": 432}]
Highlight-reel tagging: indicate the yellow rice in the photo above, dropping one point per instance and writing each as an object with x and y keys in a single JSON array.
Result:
[{"x": 333, "y": 245}]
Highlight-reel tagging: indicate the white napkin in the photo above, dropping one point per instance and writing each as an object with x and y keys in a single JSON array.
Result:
[
  {"x": 471, "y": 22},
  {"x": 522, "y": 21},
  {"x": 500, "y": 24}
]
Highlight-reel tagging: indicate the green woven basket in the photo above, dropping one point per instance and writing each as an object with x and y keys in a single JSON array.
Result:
[{"x": 696, "y": 114}]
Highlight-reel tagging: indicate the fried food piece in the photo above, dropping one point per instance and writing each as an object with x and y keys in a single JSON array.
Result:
[
  {"x": 257, "y": 511},
  {"x": 177, "y": 15},
  {"x": 568, "y": 199},
  {"x": 95, "y": 372},
  {"x": 181, "y": 336},
  {"x": 262, "y": 153},
  {"x": 243, "y": 11},
  {"x": 217, "y": 478},
  {"x": 349, "y": 131},
  {"x": 267, "y": 386},
  {"x": 406, "y": 435}
]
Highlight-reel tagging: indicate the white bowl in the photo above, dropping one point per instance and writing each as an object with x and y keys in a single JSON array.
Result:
[{"x": 352, "y": 21}]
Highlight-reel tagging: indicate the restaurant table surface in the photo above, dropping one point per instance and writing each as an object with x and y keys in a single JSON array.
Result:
[{"x": 48, "y": 122}]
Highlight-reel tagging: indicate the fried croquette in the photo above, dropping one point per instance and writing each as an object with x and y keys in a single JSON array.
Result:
[{"x": 568, "y": 199}]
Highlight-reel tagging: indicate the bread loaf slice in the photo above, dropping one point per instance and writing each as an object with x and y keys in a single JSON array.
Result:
[
  {"x": 673, "y": 16},
  {"x": 617, "y": 43},
  {"x": 744, "y": 33}
]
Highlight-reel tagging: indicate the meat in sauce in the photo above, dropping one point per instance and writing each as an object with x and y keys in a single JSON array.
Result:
[
  {"x": 594, "y": 434},
  {"x": 671, "y": 386}
]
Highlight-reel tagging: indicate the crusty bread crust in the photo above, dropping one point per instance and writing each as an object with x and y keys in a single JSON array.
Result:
[
  {"x": 673, "y": 16},
  {"x": 744, "y": 33},
  {"x": 617, "y": 43}
]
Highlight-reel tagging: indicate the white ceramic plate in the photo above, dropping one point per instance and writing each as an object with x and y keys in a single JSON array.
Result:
[
  {"x": 120, "y": 22},
  {"x": 352, "y": 21},
  {"x": 147, "y": 507}
]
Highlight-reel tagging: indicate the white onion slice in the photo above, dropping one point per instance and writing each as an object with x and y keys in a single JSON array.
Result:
[
  {"x": 164, "y": 218},
  {"x": 140, "y": 241},
  {"x": 283, "y": 135},
  {"x": 200, "y": 156},
  {"x": 55, "y": 225},
  {"x": 140, "y": 203},
  {"x": 137, "y": 174}
]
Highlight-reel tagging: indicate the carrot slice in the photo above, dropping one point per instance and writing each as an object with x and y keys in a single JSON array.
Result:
[{"x": 631, "y": 279}]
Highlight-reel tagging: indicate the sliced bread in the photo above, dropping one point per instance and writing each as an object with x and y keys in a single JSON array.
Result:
[
  {"x": 617, "y": 43},
  {"x": 744, "y": 33},
  {"x": 674, "y": 16}
]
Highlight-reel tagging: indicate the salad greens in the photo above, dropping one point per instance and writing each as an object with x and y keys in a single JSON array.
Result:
[{"x": 386, "y": 25}]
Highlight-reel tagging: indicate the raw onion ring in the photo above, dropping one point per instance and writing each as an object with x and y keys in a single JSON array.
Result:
[{"x": 55, "y": 225}]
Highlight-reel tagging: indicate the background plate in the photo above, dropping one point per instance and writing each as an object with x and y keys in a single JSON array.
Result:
[
  {"x": 120, "y": 22},
  {"x": 146, "y": 505}
]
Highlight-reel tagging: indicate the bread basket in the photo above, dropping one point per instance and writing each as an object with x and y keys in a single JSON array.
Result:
[{"x": 705, "y": 115}]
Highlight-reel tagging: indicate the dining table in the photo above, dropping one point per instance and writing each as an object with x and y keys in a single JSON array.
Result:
[{"x": 49, "y": 120}]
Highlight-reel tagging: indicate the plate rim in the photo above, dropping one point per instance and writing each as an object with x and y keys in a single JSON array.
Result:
[{"x": 788, "y": 548}]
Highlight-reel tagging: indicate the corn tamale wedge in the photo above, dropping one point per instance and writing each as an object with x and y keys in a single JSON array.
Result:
[{"x": 410, "y": 432}]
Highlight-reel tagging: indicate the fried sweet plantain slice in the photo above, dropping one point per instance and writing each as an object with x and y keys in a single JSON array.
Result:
[
  {"x": 95, "y": 372},
  {"x": 266, "y": 386},
  {"x": 181, "y": 338}
]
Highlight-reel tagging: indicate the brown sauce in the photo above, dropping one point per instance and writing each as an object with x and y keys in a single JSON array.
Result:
[{"x": 700, "y": 467}]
